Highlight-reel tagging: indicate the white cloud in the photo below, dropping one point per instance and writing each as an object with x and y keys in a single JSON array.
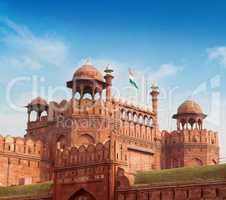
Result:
[
  {"x": 164, "y": 71},
  {"x": 217, "y": 54},
  {"x": 121, "y": 70},
  {"x": 30, "y": 51},
  {"x": 25, "y": 62}
]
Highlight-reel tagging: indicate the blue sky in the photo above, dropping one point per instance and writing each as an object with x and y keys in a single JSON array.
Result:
[{"x": 180, "y": 44}]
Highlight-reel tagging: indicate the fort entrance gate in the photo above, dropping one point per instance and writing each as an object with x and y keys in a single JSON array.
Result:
[{"x": 82, "y": 195}]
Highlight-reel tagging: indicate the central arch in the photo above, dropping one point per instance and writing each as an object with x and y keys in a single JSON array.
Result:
[
  {"x": 82, "y": 195},
  {"x": 85, "y": 140}
]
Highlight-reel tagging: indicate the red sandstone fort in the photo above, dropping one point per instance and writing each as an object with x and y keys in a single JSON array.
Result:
[{"x": 91, "y": 147}]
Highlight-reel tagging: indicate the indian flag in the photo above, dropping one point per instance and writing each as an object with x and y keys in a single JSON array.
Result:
[{"x": 132, "y": 79}]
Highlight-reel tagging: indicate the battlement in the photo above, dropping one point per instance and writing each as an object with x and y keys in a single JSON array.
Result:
[
  {"x": 23, "y": 161},
  {"x": 127, "y": 104},
  {"x": 203, "y": 136},
  {"x": 90, "y": 154},
  {"x": 96, "y": 107},
  {"x": 18, "y": 145},
  {"x": 81, "y": 107}
]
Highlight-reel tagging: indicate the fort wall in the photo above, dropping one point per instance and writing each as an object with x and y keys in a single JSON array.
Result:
[
  {"x": 22, "y": 161},
  {"x": 207, "y": 191},
  {"x": 47, "y": 197},
  {"x": 190, "y": 148}
]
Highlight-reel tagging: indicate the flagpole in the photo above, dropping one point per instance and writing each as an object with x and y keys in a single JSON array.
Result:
[
  {"x": 146, "y": 95},
  {"x": 145, "y": 91}
]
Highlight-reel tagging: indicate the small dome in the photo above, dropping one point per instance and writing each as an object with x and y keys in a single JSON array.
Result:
[
  {"x": 88, "y": 71},
  {"x": 39, "y": 101},
  {"x": 189, "y": 107}
]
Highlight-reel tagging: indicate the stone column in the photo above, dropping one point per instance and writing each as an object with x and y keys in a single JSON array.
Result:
[
  {"x": 29, "y": 116},
  {"x": 178, "y": 125},
  {"x": 154, "y": 93},
  {"x": 108, "y": 79}
]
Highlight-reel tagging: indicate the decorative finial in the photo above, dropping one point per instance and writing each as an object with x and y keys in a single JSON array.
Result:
[
  {"x": 108, "y": 69},
  {"x": 87, "y": 61},
  {"x": 153, "y": 84},
  {"x": 154, "y": 87}
]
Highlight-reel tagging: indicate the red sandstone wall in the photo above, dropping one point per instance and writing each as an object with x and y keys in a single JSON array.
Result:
[
  {"x": 28, "y": 198},
  {"x": 89, "y": 169},
  {"x": 21, "y": 162},
  {"x": 208, "y": 191},
  {"x": 189, "y": 148}
]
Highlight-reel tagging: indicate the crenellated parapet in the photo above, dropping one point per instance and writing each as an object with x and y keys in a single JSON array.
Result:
[
  {"x": 190, "y": 147},
  {"x": 83, "y": 155},
  {"x": 22, "y": 146},
  {"x": 23, "y": 161},
  {"x": 101, "y": 107},
  {"x": 81, "y": 107},
  {"x": 203, "y": 136}
]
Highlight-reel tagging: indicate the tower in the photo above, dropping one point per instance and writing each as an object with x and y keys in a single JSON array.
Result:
[
  {"x": 88, "y": 156},
  {"x": 154, "y": 94},
  {"x": 108, "y": 79},
  {"x": 191, "y": 144}
]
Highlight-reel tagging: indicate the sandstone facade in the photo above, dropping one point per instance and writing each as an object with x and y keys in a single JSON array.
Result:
[{"x": 90, "y": 145}]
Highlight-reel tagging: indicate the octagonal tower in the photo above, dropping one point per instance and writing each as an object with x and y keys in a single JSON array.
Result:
[{"x": 191, "y": 144}]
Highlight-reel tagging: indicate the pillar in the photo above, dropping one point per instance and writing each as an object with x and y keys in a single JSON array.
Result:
[
  {"x": 29, "y": 116},
  {"x": 108, "y": 79},
  {"x": 178, "y": 125},
  {"x": 39, "y": 115},
  {"x": 196, "y": 124},
  {"x": 154, "y": 94}
]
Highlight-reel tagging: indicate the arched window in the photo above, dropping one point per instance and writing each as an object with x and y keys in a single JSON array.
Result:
[
  {"x": 77, "y": 95},
  {"x": 123, "y": 114},
  {"x": 130, "y": 117},
  {"x": 97, "y": 96},
  {"x": 44, "y": 114},
  {"x": 191, "y": 122},
  {"x": 87, "y": 96},
  {"x": 146, "y": 120},
  {"x": 149, "y": 121},
  {"x": 141, "y": 120},
  {"x": 33, "y": 116},
  {"x": 135, "y": 117}
]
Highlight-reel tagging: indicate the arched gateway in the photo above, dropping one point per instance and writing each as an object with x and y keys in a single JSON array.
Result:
[{"x": 82, "y": 195}]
